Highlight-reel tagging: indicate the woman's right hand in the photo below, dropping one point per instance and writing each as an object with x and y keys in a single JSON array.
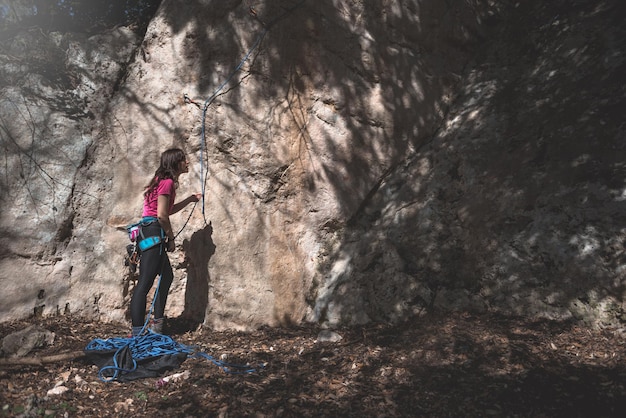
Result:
[{"x": 171, "y": 245}]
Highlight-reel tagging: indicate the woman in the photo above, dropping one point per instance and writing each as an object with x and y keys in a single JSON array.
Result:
[{"x": 158, "y": 205}]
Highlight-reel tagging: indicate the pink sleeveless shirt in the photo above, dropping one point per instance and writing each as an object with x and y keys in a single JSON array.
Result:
[{"x": 165, "y": 187}]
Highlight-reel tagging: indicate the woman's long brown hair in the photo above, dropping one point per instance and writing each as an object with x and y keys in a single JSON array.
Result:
[{"x": 168, "y": 168}]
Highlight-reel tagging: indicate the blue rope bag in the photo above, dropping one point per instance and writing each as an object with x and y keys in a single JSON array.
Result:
[
  {"x": 126, "y": 359},
  {"x": 149, "y": 355}
]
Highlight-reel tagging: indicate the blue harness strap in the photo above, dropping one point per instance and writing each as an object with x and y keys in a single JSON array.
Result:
[
  {"x": 144, "y": 243},
  {"x": 147, "y": 220}
]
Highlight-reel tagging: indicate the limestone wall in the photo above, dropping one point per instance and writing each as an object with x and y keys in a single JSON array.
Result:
[{"x": 366, "y": 161}]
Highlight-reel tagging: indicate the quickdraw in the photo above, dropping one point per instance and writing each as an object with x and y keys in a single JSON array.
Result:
[{"x": 131, "y": 259}]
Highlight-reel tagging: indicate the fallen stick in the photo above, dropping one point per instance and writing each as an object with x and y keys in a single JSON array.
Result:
[{"x": 38, "y": 361}]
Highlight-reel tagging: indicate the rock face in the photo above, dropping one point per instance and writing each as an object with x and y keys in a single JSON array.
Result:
[
  {"x": 517, "y": 204},
  {"x": 359, "y": 161},
  {"x": 55, "y": 91}
]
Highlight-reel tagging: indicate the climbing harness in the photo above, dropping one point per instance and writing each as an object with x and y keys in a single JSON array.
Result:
[
  {"x": 139, "y": 242},
  {"x": 135, "y": 233}
]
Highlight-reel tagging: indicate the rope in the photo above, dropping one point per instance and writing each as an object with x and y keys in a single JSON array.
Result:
[
  {"x": 211, "y": 98},
  {"x": 187, "y": 221},
  {"x": 152, "y": 345}
]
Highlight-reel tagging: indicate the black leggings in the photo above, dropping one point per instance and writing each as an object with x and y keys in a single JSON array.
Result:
[{"x": 154, "y": 261}]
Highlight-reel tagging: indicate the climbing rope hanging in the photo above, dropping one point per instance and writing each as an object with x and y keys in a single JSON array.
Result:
[{"x": 207, "y": 102}]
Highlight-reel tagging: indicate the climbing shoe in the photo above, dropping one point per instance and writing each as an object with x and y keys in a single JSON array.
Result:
[{"x": 156, "y": 325}]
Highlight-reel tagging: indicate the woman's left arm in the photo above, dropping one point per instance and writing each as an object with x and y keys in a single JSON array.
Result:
[{"x": 190, "y": 199}]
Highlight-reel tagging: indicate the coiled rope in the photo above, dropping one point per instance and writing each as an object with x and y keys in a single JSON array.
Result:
[
  {"x": 152, "y": 345},
  {"x": 148, "y": 345}
]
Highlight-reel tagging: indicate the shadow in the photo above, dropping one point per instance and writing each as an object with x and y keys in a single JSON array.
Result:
[
  {"x": 435, "y": 366},
  {"x": 494, "y": 368},
  {"x": 198, "y": 251},
  {"x": 515, "y": 201}
]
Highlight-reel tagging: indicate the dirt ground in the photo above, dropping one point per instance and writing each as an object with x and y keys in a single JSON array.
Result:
[{"x": 456, "y": 365}]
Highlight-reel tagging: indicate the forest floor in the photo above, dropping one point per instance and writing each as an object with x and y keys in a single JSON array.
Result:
[{"x": 454, "y": 365}]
